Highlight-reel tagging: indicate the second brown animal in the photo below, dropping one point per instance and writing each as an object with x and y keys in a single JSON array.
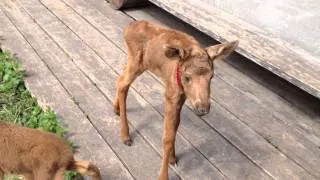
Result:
[
  {"x": 185, "y": 68},
  {"x": 38, "y": 155}
]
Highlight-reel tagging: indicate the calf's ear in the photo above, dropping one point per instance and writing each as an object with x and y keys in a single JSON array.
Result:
[
  {"x": 221, "y": 50},
  {"x": 172, "y": 51}
]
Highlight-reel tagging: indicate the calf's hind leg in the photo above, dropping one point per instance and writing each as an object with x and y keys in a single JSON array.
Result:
[{"x": 130, "y": 73}]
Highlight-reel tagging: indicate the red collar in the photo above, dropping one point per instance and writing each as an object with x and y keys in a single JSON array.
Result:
[{"x": 178, "y": 76}]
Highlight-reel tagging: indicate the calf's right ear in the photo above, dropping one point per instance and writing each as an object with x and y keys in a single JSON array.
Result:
[{"x": 221, "y": 50}]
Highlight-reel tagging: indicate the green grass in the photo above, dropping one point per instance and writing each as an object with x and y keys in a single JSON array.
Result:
[{"x": 19, "y": 107}]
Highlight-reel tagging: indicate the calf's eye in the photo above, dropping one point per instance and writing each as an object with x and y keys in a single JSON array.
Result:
[{"x": 187, "y": 79}]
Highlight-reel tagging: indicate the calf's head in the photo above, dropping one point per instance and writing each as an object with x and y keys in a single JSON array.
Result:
[{"x": 196, "y": 71}]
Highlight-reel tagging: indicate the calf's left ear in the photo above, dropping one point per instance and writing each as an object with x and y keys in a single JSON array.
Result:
[
  {"x": 221, "y": 50},
  {"x": 172, "y": 51}
]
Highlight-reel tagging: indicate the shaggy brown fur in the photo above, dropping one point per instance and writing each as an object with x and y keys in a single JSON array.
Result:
[
  {"x": 38, "y": 155},
  {"x": 185, "y": 68}
]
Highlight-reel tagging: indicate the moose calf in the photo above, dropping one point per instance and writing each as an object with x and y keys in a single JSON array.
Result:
[
  {"x": 185, "y": 68},
  {"x": 38, "y": 155}
]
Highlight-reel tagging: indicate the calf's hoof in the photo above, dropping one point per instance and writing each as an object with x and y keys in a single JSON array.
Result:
[
  {"x": 116, "y": 109},
  {"x": 127, "y": 141},
  {"x": 173, "y": 160}
]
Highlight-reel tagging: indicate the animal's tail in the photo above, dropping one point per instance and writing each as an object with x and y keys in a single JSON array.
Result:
[{"x": 86, "y": 168}]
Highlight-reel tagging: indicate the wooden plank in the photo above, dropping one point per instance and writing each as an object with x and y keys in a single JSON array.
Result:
[
  {"x": 116, "y": 64},
  {"x": 100, "y": 27},
  {"x": 49, "y": 92},
  {"x": 288, "y": 62},
  {"x": 84, "y": 93},
  {"x": 303, "y": 136},
  {"x": 90, "y": 64}
]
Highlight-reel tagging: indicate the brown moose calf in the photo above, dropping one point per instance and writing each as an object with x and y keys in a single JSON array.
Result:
[
  {"x": 38, "y": 155},
  {"x": 186, "y": 69}
]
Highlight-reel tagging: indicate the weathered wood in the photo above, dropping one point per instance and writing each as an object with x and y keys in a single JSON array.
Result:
[
  {"x": 49, "y": 92},
  {"x": 87, "y": 62},
  {"x": 121, "y": 4},
  {"x": 116, "y": 64},
  {"x": 84, "y": 93},
  {"x": 291, "y": 63}
]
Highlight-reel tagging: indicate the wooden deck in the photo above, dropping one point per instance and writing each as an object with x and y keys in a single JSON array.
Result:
[{"x": 259, "y": 127}]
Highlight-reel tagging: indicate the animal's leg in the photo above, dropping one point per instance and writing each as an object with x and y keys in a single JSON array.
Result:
[
  {"x": 172, "y": 158},
  {"x": 133, "y": 64},
  {"x": 169, "y": 134},
  {"x": 1, "y": 174},
  {"x": 59, "y": 174},
  {"x": 131, "y": 72},
  {"x": 28, "y": 176}
]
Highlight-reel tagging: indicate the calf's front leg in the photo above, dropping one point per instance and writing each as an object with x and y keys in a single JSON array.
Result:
[
  {"x": 169, "y": 135},
  {"x": 172, "y": 158}
]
